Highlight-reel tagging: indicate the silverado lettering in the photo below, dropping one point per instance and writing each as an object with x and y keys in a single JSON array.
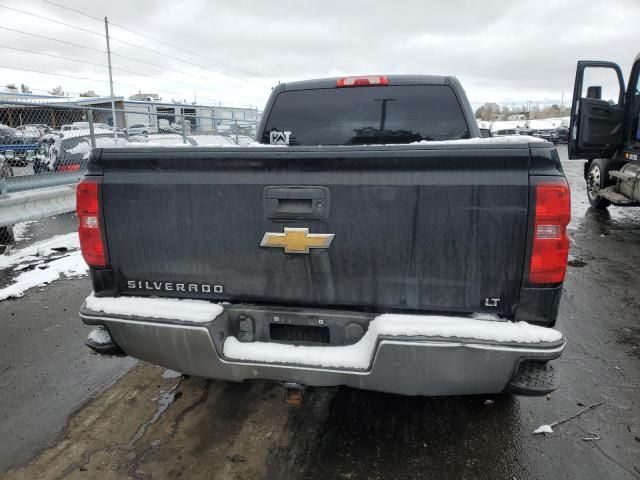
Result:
[{"x": 174, "y": 286}]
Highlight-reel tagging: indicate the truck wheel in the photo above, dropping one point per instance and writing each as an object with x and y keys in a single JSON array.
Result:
[{"x": 597, "y": 179}]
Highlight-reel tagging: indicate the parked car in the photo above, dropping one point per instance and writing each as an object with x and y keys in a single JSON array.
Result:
[
  {"x": 561, "y": 133},
  {"x": 352, "y": 248},
  {"x": 538, "y": 128},
  {"x": 160, "y": 139},
  {"x": 70, "y": 127},
  {"x": 211, "y": 140},
  {"x": 177, "y": 127},
  {"x": 30, "y": 132},
  {"x": 225, "y": 128},
  {"x": 141, "y": 129},
  {"x": 164, "y": 126},
  {"x": 14, "y": 145},
  {"x": 8, "y": 135},
  {"x": 96, "y": 125},
  {"x": 502, "y": 129},
  {"x": 42, "y": 127},
  {"x": 71, "y": 151},
  {"x": 174, "y": 139}
]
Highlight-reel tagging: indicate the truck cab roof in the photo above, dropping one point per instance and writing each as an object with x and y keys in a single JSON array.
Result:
[{"x": 330, "y": 82}]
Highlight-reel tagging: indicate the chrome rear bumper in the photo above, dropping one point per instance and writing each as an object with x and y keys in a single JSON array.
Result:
[{"x": 401, "y": 365}]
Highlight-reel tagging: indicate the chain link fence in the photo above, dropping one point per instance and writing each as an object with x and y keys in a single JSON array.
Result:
[{"x": 43, "y": 146}]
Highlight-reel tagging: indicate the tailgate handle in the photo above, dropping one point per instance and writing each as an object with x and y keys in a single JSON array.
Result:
[{"x": 295, "y": 203}]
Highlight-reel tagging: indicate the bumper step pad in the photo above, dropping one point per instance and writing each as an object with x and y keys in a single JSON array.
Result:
[
  {"x": 100, "y": 341},
  {"x": 533, "y": 378}
]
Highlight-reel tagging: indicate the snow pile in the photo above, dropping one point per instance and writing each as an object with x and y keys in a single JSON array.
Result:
[
  {"x": 100, "y": 335},
  {"x": 69, "y": 241},
  {"x": 195, "y": 311},
  {"x": 155, "y": 144},
  {"x": 71, "y": 265},
  {"x": 20, "y": 230},
  {"x": 543, "y": 429},
  {"x": 507, "y": 125},
  {"x": 258, "y": 144},
  {"x": 44, "y": 270},
  {"x": 518, "y": 139},
  {"x": 358, "y": 355},
  {"x": 85, "y": 147}
]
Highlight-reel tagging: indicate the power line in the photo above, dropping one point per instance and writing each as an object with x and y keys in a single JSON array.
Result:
[
  {"x": 123, "y": 56},
  {"x": 126, "y": 71},
  {"x": 52, "y": 56},
  {"x": 52, "y": 20},
  {"x": 53, "y": 39},
  {"x": 178, "y": 59},
  {"x": 156, "y": 52},
  {"x": 75, "y": 10},
  {"x": 155, "y": 39},
  {"x": 133, "y": 59},
  {"x": 75, "y": 77}
]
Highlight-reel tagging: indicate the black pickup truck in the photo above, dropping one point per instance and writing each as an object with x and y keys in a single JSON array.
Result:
[{"x": 371, "y": 239}]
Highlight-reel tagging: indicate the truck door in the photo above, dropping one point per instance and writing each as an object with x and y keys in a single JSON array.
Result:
[
  {"x": 597, "y": 119},
  {"x": 633, "y": 108}
]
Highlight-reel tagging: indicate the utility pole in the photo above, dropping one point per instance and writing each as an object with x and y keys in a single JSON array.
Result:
[
  {"x": 113, "y": 102},
  {"x": 562, "y": 102}
]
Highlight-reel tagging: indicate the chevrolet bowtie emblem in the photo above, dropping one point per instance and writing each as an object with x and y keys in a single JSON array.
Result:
[{"x": 297, "y": 240}]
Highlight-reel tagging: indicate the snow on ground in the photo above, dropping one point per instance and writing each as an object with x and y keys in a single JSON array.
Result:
[
  {"x": 68, "y": 241},
  {"x": 20, "y": 230},
  {"x": 543, "y": 429},
  {"x": 45, "y": 266},
  {"x": 358, "y": 355},
  {"x": 196, "y": 311},
  {"x": 71, "y": 265}
]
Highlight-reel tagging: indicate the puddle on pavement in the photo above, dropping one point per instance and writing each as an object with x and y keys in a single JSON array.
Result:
[{"x": 165, "y": 399}]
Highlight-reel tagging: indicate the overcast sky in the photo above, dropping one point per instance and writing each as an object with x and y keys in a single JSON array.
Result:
[{"x": 504, "y": 51}]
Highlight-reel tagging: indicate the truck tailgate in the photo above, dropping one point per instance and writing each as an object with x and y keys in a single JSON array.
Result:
[{"x": 435, "y": 227}]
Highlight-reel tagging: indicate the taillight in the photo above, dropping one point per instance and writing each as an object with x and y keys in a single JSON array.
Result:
[
  {"x": 550, "y": 240},
  {"x": 362, "y": 81},
  {"x": 90, "y": 231}
]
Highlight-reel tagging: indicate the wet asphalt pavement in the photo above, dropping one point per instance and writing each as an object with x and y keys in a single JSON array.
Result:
[{"x": 150, "y": 426}]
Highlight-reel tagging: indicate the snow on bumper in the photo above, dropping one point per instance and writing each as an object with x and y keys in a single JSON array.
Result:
[
  {"x": 405, "y": 354},
  {"x": 358, "y": 356}
]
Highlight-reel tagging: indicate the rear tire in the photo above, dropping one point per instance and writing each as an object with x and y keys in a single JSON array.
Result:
[{"x": 597, "y": 179}]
